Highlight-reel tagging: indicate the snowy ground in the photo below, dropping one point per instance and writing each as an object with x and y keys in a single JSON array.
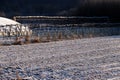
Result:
[{"x": 81, "y": 59}]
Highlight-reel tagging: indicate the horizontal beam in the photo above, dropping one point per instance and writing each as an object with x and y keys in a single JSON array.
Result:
[{"x": 55, "y": 17}]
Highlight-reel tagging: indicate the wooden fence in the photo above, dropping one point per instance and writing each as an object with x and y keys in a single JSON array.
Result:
[{"x": 53, "y": 31}]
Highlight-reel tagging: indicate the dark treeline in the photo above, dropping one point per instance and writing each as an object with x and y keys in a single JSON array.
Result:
[
  {"x": 110, "y": 8},
  {"x": 11, "y": 8}
]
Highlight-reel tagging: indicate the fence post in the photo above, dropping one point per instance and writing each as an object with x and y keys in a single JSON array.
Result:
[{"x": 10, "y": 26}]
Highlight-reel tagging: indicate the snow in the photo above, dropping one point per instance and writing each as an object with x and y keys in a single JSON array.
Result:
[
  {"x": 80, "y": 59},
  {"x": 6, "y": 21},
  {"x": 8, "y": 25}
]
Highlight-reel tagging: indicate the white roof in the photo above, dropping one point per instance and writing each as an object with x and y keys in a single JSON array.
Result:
[{"x": 6, "y": 21}]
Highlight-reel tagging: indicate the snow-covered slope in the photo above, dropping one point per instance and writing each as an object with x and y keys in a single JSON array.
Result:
[
  {"x": 6, "y": 21},
  {"x": 12, "y": 27},
  {"x": 81, "y": 59}
]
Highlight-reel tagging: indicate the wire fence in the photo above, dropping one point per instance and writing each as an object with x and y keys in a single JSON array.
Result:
[
  {"x": 9, "y": 33},
  {"x": 84, "y": 30}
]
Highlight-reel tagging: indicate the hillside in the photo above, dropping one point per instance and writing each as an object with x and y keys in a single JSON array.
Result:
[{"x": 81, "y": 59}]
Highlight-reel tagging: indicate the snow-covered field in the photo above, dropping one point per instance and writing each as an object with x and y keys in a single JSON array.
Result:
[{"x": 80, "y": 59}]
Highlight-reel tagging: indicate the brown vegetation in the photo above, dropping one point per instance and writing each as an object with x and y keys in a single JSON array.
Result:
[
  {"x": 27, "y": 39},
  {"x": 18, "y": 41},
  {"x": 36, "y": 40},
  {"x": 60, "y": 36}
]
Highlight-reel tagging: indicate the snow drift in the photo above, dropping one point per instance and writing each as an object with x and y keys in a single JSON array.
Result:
[{"x": 11, "y": 27}]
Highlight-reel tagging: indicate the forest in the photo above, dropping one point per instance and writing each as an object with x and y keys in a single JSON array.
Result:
[{"x": 92, "y": 8}]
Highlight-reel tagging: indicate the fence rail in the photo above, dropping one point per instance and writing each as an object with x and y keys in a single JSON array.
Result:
[{"x": 60, "y": 19}]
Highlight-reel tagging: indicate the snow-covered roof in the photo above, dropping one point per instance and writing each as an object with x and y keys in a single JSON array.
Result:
[{"x": 6, "y": 21}]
